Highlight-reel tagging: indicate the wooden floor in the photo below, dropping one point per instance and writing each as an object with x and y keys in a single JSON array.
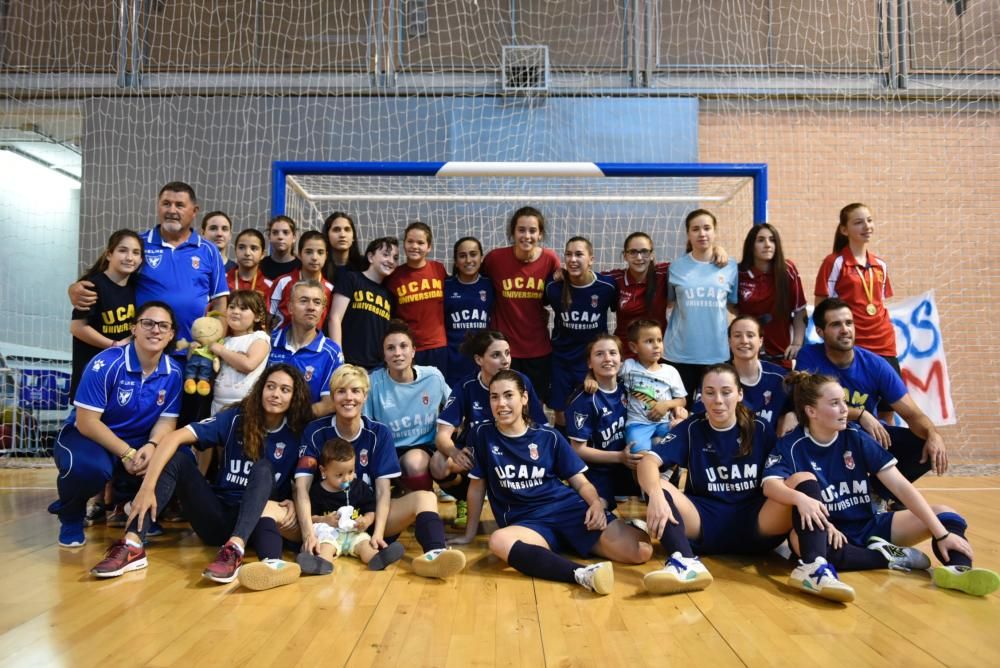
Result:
[{"x": 53, "y": 613}]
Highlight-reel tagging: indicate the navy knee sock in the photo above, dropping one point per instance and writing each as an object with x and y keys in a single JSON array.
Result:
[
  {"x": 457, "y": 484},
  {"x": 812, "y": 542},
  {"x": 674, "y": 538},
  {"x": 429, "y": 531},
  {"x": 538, "y": 562},
  {"x": 853, "y": 558},
  {"x": 955, "y": 524},
  {"x": 265, "y": 539}
]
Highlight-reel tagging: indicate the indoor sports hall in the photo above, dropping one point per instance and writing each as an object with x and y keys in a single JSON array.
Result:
[{"x": 610, "y": 117}]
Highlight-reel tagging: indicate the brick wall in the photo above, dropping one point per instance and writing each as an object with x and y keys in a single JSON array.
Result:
[{"x": 933, "y": 184}]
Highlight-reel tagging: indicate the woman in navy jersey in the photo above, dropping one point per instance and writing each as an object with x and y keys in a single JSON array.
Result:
[
  {"x": 128, "y": 398},
  {"x": 595, "y": 424},
  {"x": 580, "y": 302},
  {"x": 523, "y": 467},
  {"x": 259, "y": 440},
  {"x": 763, "y": 383},
  {"x": 468, "y": 305},
  {"x": 468, "y": 406},
  {"x": 722, "y": 508},
  {"x": 771, "y": 290},
  {"x": 829, "y": 465},
  {"x": 376, "y": 464}
]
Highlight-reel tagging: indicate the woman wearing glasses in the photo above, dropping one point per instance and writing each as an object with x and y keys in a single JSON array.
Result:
[
  {"x": 128, "y": 398},
  {"x": 642, "y": 287}
]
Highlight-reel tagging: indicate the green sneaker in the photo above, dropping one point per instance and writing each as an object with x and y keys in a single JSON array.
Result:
[
  {"x": 461, "y": 515},
  {"x": 975, "y": 581}
]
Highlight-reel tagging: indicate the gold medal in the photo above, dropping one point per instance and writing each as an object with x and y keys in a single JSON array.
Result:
[
  {"x": 870, "y": 309},
  {"x": 868, "y": 287}
]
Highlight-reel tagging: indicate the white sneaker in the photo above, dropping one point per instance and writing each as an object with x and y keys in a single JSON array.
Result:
[
  {"x": 445, "y": 497},
  {"x": 598, "y": 578},
  {"x": 638, "y": 524},
  {"x": 820, "y": 578},
  {"x": 679, "y": 574},
  {"x": 900, "y": 558}
]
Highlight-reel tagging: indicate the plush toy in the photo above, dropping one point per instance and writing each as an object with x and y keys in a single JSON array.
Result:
[
  {"x": 202, "y": 364},
  {"x": 346, "y": 522}
]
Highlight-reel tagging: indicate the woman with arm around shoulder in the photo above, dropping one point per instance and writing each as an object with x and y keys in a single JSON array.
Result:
[
  {"x": 376, "y": 465},
  {"x": 258, "y": 440},
  {"x": 722, "y": 509},
  {"x": 770, "y": 289},
  {"x": 701, "y": 293},
  {"x": 518, "y": 273},
  {"x": 523, "y": 467},
  {"x": 824, "y": 470},
  {"x": 128, "y": 399}
]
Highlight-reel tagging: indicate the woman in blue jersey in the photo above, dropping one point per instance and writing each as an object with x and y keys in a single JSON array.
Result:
[
  {"x": 523, "y": 467},
  {"x": 763, "y": 383},
  {"x": 468, "y": 406},
  {"x": 407, "y": 398},
  {"x": 128, "y": 398},
  {"x": 468, "y": 305},
  {"x": 580, "y": 301},
  {"x": 722, "y": 508},
  {"x": 258, "y": 439},
  {"x": 595, "y": 424},
  {"x": 376, "y": 464},
  {"x": 829, "y": 465},
  {"x": 700, "y": 294}
]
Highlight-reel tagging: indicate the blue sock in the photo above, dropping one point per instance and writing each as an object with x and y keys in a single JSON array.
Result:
[
  {"x": 812, "y": 542},
  {"x": 674, "y": 538},
  {"x": 538, "y": 562},
  {"x": 957, "y": 525},
  {"x": 429, "y": 531}
]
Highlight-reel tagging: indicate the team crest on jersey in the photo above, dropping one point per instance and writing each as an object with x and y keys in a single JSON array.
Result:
[
  {"x": 426, "y": 399},
  {"x": 721, "y": 279},
  {"x": 482, "y": 295},
  {"x": 279, "y": 450},
  {"x": 579, "y": 419},
  {"x": 594, "y": 301},
  {"x": 309, "y": 373},
  {"x": 363, "y": 457},
  {"x": 849, "y": 460},
  {"x": 161, "y": 397},
  {"x": 767, "y": 397},
  {"x": 772, "y": 460},
  {"x": 195, "y": 262},
  {"x": 124, "y": 396},
  {"x": 746, "y": 293},
  {"x": 533, "y": 451},
  {"x": 153, "y": 261},
  {"x": 97, "y": 365}
]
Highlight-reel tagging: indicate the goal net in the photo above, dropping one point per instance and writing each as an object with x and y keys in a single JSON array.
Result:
[{"x": 604, "y": 202}]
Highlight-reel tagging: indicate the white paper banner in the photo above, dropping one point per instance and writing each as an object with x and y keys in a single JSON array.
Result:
[{"x": 920, "y": 350}]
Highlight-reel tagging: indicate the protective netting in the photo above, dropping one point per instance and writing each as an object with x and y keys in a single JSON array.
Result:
[{"x": 892, "y": 102}]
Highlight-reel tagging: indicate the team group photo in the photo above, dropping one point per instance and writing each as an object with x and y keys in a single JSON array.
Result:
[{"x": 547, "y": 334}]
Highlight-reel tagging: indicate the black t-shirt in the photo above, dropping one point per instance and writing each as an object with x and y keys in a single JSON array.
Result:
[
  {"x": 359, "y": 495},
  {"x": 112, "y": 316},
  {"x": 365, "y": 320},
  {"x": 230, "y": 265},
  {"x": 272, "y": 269}
]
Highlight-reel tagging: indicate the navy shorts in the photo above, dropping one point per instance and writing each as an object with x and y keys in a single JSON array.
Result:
[
  {"x": 429, "y": 448},
  {"x": 565, "y": 530},
  {"x": 566, "y": 377},
  {"x": 858, "y": 533},
  {"x": 728, "y": 528},
  {"x": 611, "y": 481},
  {"x": 436, "y": 357}
]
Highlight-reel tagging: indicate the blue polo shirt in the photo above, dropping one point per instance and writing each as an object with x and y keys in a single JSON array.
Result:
[
  {"x": 187, "y": 277},
  {"x": 866, "y": 381},
  {"x": 317, "y": 361},
  {"x": 112, "y": 385}
]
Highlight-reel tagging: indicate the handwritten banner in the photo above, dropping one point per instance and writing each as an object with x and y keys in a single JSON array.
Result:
[{"x": 920, "y": 350}]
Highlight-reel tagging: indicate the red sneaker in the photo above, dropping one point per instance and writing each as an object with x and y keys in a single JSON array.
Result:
[
  {"x": 226, "y": 566},
  {"x": 120, "y": 559}
]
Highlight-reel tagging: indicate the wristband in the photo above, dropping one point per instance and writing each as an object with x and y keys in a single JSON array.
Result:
[
  {"x": 152, "y": 443},
  {"x": 938, "y": 540},
  {"x": 861, "y": 414}
]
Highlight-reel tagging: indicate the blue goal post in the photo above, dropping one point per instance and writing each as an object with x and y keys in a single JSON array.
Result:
[{"x": 757, "y": 172}]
